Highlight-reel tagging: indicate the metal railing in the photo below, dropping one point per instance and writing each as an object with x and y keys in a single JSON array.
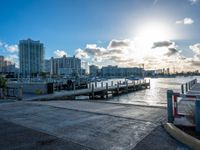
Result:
[
  {"x": 172, "y": 104},
  {"x": 11, "y": 92}
]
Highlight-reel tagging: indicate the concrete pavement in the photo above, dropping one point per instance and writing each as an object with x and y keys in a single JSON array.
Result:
[
  {"x": 17, "y": 137},
  {"x": 89, "y": 124}
]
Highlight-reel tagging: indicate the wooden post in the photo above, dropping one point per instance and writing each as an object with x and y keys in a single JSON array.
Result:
[
  {"x": 197, "y": 115},
  {"x": 111, "y": 83},
  {"x": 186, "y": 87},
  {"x": 149, "y": 83},
  {"x": 89, "y": 85},
  {"x": 170, "y": 106},
  {"x": 92, "y": 91},
  {"x": 74, "y": 87},
  {"x": 106, "y": 90},
  {"x": 20, "y": 93},
  {"x": 189, "y": 85},
  {"x": 117, "y": 87},
  {"x": 95, "y": 83},
  {"x": 127, "y": 86},
  {"x": 182, "y": 89}
]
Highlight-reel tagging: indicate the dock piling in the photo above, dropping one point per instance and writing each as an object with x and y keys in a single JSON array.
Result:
[
  {"x": 127, "y": 86},
  {"x": 102, "y": 84},
  {"x": 189, "y": 83},
  {"x": 106, "y": 90},
  {"x": 197, "y": 115},
  {"x": 92, "y": 91},
  {"x": 95, "y": 83},
  {"x": 170, "y": 106},
  {"x": 186, "y": 87},
  {"x": 182, "y": 88},
  {"x": 89, "y": 85},
  {"x": 111, "y": 83},
  {"x": 20, "y": 91},
  {"x": 117, "y": 87}
]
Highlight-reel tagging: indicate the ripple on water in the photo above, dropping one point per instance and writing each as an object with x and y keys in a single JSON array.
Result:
[{"x": 156, "y": 95}]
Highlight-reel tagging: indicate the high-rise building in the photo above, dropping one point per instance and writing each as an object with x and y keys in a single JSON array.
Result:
[
  {"x": 47, "y": 65},
  {"x": 31, "y": 57},
  {"x": 6, "y": 66},
  {"x": 94, "y": 70},
  {"x": 84, "y": 65},
  {"x": 1, "y": 63},
  {"x": 64, "y": 66}
]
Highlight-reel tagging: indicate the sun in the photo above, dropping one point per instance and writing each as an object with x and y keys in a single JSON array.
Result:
[{"x": 154, "y": 32}]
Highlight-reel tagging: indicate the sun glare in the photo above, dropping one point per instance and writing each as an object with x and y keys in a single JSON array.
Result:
[{"x": 154, "y": 32}]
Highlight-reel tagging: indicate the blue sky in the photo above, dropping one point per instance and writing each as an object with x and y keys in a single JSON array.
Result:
[{"x": 67, "y": 25}]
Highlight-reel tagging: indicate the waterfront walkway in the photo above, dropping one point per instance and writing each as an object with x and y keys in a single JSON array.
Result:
[{"x": 82, "y": 125}]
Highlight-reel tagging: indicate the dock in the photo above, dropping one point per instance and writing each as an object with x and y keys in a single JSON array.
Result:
[
  {"x": 181, "y": 106},
  {"x": 94, "y": 92}
]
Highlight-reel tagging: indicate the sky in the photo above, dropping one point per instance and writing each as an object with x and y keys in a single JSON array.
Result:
[{"x": 127, "y": 33}]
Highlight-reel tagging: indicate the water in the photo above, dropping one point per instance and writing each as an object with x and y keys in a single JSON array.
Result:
[{"x": 156, "y": 95}]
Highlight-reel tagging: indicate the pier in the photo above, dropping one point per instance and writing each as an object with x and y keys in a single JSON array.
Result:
[{"x": 94, "y": 91}]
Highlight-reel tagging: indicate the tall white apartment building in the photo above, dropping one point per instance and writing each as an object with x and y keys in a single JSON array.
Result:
[{"x": 31, "y": 57}]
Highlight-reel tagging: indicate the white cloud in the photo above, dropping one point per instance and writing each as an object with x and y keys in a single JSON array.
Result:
[
  {"x": 11, "y": 48},
  {"x": 1, "y": 44},
  {"x": 131, "y": 53},
  {"x": 195, "y": 48},
  {"x": 193, "y": 1},
  {"x": 59, "y": 53},
  {"x": 195, "y": 60},
  {"x": 81, "y": 54},
  {"x": 185, "y": 21},
  {"x": 155, "y": 2}
]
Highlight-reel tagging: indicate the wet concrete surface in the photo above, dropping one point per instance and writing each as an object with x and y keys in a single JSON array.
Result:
[
  {"x": 159, "y": 139},
  {"x": 151, "y": 114},
  {"x": 92, "y": 125},
  {"x": 13, "y": 136}
]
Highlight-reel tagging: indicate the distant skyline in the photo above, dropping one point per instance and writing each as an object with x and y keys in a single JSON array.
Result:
[{"x": 156, "y": 33}]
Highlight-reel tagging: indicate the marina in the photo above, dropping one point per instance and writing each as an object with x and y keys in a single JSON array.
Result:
[{"x": 95, "y": 124}]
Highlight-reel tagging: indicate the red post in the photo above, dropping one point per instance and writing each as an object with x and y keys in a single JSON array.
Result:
[{"x": 175, "y": 95}]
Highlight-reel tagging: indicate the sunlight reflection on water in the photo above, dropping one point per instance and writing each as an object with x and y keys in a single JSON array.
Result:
[{"x": 156, "y": 95}]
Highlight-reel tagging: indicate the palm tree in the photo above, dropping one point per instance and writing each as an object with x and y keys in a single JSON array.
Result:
[
  {"x": 2, "y": 86},
  {"x": 2, "y": 82}
]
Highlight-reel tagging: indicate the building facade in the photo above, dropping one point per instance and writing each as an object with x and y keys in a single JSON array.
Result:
[
  {"x": 6, "y": 66},
  {"x": 31, "y": 57},
  {"x": 94, "y": 70},
  {"x": 114, "y": 71},
  {"x": 64, "y": 66}
]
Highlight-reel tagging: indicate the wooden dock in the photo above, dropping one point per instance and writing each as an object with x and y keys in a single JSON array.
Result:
[{"x": 95, "y": 92}]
